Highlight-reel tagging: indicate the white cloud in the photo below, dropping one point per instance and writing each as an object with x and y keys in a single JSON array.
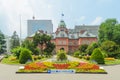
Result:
[
  {"x": 13, "y": 9},
  {"x": 97, "y": 21},
  {"x": 82, "y": 18},
  {"x": 26, "y": 8}
]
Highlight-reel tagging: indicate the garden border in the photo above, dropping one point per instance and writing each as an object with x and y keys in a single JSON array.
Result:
[{"x": 62, "y": 73}]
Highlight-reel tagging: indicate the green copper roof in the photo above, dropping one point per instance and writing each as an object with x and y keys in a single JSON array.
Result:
[{"x": 62, "y": 24}]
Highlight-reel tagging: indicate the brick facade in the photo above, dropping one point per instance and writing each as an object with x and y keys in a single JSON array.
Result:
[
  {"x": 62, "y": 38},
  {"x": 71, "y": 41}
]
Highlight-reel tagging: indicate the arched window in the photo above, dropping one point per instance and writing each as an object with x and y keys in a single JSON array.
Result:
[{"x": 62, "y": 48}]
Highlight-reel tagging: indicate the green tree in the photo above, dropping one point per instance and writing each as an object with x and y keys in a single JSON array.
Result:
[
  {"x": 16, "y": 51},
  {"x": 41, "y": 40},
  {"x": 110, "y": 48},
  {"x": 97, "y": 56},
  {"x": 49, "y": 48},
  {"x": 14, "y": 40},
  {"x": 107, "y": 30},
  {"x": 30, "y": 45},
  {"x": 82, "y": 48},
  {"x": 2, "y": 43},
  {"x": 116, "y": 34}
]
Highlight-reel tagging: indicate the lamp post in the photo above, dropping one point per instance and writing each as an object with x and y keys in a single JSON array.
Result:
[{"x": 20, "y": 30}]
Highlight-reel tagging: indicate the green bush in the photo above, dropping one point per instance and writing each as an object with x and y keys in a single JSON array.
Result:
[
  {"x": 91, "y": 47},
  {"x": 25, "y": 55},
  {"x": 97, "y": 56},
  {"x": 7, "y": 55},
  {"x": 39, "y": 57},
  {"x": 76, "y": 53},
  {"x": 16, "y": 51},
  {"x": 86, "y": 57},
  {"x": 36, "y": 51},
  {"x": 61, "y": 55},
  {"x": 83, "y": 48}
]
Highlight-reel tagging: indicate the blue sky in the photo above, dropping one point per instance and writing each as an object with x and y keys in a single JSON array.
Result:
[{"x": 76, "y": 12}]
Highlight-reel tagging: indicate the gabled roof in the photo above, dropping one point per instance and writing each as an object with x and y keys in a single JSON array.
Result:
[
  {"x": 87, "y": 34},
  {"x": 73, "y": 36},
  {"x": 62, "y": 34}
]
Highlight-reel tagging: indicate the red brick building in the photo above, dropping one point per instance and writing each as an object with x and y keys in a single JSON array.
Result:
[{"x": 69, "y": 41}]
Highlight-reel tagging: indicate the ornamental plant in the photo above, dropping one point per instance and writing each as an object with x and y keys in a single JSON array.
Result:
[
  {"x": 110, "y": 59},
  {"x": 48, "y": 64},
  {"x": 73, "y": 64},
  {"x": 61, "y": 55},
  {"x": 16, "y": 51},
  {"x": 36, "y": 66},
  {"x": 76, "y": 53},
  {"x": 61, "y": 66},
  {"x": 88, "y": 66},
  {"x": 97, "y": 56},
  {"x": 25, "y": 55}
]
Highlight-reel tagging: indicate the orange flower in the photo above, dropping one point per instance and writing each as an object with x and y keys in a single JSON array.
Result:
[
  {"x": 61, "y": 66},
  {"x": 88, "y": 66}
]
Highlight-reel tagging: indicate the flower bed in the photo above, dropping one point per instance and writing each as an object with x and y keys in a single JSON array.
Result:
[
  {"x": 110, "y": 59},
  {"x": 77, "y": 66},
  {"x": 61, "y": 66},
  {"x": 88, "y": 66}
]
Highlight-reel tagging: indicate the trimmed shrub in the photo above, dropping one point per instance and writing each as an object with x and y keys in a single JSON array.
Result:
[
  {"x": 25, "y": 55},
  {"x": 76, "y": 54},
  {"x": 97, "y": 56},
  {"x": 61, "y": 55}
]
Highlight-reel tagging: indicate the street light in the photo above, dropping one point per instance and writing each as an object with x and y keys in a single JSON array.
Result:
[{"x": 20, "y": 29}]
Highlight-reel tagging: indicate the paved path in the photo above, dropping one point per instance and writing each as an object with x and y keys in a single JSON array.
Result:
[
  {"x": 1, "y": 57},
  {"x": 74, "y": 59},
  {"x": 7, "y": 72},
  {"x": 70, "y": 58}
]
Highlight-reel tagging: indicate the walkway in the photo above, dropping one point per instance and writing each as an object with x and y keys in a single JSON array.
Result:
[
  {"x": 70, "y": 58},
  {"x": 7, "y": 72},
  {"x": 1, "y": 57}
]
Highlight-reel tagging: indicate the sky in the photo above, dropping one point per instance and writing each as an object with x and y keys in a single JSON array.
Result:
[{"x": 76, "y": 12}]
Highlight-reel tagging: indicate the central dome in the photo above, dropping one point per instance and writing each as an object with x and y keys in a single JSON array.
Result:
[{"x": 62, "y": 24}]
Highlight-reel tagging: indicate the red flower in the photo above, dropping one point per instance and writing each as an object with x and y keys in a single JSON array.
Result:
[
  {"x": 61, "y": 66},
  {"x": 35, "y": 66}
]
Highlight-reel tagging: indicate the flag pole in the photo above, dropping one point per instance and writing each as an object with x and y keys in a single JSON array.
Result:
[{"x": 62, "y": 15}]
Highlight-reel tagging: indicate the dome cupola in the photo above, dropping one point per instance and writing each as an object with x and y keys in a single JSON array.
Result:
[{"x": 62, "y": 24}]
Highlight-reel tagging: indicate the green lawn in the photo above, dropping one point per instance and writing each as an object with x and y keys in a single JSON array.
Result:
[
  {"x": 112, "y": 62},
  {"x": 12, "y": 60},
  {"x": 9, "y": 61}
]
